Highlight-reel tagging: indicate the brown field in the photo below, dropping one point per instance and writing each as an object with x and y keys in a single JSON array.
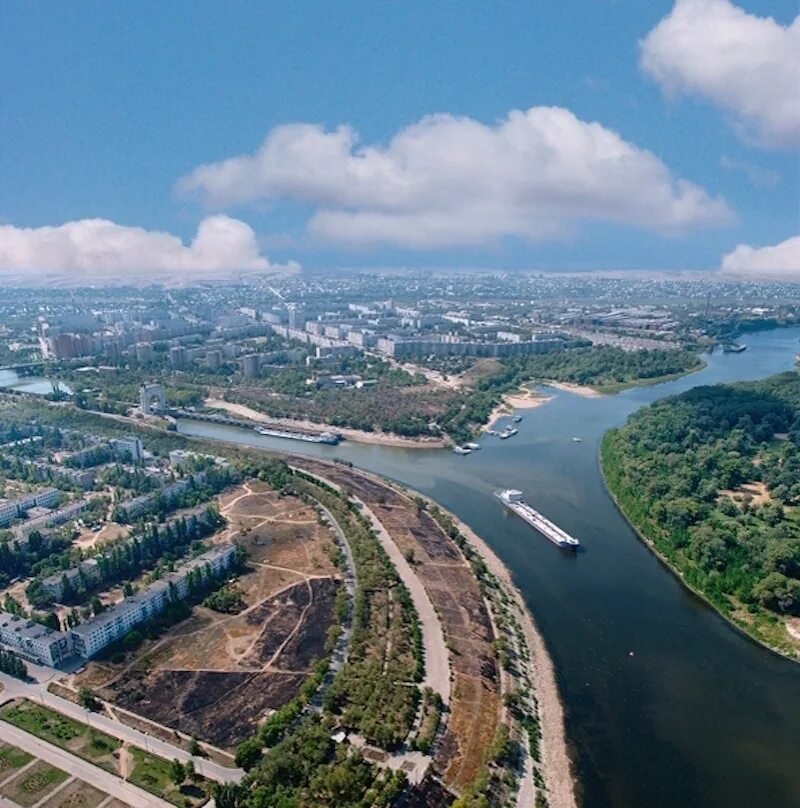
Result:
[
  {"x": 222, "y": 707},
  {"x": 217, "y": 675},
  {"x": 76, "y": 795},
  {"x": 456, "y": 596}
]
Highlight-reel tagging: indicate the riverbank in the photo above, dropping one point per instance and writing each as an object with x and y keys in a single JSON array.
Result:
[
  {"x": 377, "y": 437},
  {"x": 576, "y": 389},
  {"x": 523, "y": 399},
  {"x": 556, "y": 765},
  {"x": 744, "y": 628}
]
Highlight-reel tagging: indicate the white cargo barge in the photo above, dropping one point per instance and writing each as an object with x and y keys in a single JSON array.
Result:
[
  {"x": 512, "y": 499},
  {"x": 321, "y": 437}
]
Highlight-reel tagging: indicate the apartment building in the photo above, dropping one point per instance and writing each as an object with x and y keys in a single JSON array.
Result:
[
  {"x": 91, "y": 637},
  {"x": 16, "y": 508},
  {"x": 87, "y": 571},
  {"x": 33, "y": 641}
]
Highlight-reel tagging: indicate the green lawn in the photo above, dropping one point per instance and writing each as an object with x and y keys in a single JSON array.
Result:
[
  {"x": 153, "y": 774},
  {"x": 12, "y": 759},
  {"x": 58, "y": 729}
]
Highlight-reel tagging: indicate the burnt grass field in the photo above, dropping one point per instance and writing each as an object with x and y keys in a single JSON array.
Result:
[{"x": 225, "y": 707}]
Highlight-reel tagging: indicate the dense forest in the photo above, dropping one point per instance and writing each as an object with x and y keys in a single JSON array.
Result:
[
  {"x": 712, "y": 479},
  {"x": 604, "y": 367}
]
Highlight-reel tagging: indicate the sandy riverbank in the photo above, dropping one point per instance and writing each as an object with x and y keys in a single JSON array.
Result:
[
  {"x": 577, "y": 389},
  {"x": 356, "y": 435},
  {"x": 521, "y": 400},
  {"x": 556, "y": 765}
]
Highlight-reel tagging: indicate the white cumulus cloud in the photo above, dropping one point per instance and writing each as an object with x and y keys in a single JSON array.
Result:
[
  {"x": 747, "y": 65},
  {"x": 450, "y": 181},
  {"x": 99, "y": 247},
  {"x": 778, "y": 261}
]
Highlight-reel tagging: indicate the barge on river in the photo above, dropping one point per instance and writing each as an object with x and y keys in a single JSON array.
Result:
[
  {"x": 309, "y": 437},
  {"x": 512, "y": 499}
]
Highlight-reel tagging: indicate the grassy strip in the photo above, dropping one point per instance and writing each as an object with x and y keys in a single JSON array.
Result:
[
  {"x": 154, "y": 774},
  {"x": 70, "y": 735}
]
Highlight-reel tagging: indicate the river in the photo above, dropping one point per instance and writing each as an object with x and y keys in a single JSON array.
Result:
[
  {"x": 37, "y": 385},
  {"x": 666, "y": 704}
]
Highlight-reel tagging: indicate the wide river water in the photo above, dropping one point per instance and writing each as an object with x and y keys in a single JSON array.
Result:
[{"x": 666, "y": 704}]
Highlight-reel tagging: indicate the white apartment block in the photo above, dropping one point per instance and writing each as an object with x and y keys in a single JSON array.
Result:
[
  {"x": 91, "y": 637},
  {"x": 14, "y": 509},
  {"x": 34, "y": 641}
]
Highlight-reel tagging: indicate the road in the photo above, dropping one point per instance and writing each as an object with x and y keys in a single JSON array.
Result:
[
  {"x": 437, "y": 659},
  {"x": 38, "y": 693},
  {"x": 77, "y": 767},
  {"x": 350, "y": 582}
]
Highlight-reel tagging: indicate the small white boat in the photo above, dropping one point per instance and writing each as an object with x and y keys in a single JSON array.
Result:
[
  {"x": 577, "y": 440},
  {"x": 462, "y": 450},
  {"x": 472, "y": 446}
]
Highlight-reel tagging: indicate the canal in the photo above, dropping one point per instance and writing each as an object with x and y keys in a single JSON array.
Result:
[{"x": 666, "y": 704}]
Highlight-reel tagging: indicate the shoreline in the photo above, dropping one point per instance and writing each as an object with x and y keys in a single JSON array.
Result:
[
  {"x": 521, "y": 400},
  {"x": 577, "y": 389},
  {"x": 376, "y": 438},
  {"x": 556, "y": 764},
  {"x": 650, "y": 545}
]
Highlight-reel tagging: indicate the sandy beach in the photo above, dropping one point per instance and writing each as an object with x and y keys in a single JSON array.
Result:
[
  {"x": 356, "y": 435},
  {"x": 521, "y": 400},
  {"x": 577, "y": 389}
]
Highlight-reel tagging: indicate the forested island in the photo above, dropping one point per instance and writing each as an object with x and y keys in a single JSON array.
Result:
[{"x": 711, "y": 480}]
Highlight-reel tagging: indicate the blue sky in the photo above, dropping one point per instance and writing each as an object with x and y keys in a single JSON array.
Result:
[{"x": 105, "y": 106}]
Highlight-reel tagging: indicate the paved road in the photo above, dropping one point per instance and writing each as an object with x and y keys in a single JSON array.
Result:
[
  {"x": 437, "y": 659},
  {"x": 75, "y": 766},
  {"x": 38, "y": 693}
]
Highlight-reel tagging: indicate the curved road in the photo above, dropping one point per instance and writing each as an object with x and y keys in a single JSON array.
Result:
[{"x": 437, "y": 658}]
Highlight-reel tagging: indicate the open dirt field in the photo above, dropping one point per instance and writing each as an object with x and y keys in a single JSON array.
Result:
[
  {"x": 76, "y": 795},
  {"x": 217, "y": 675}
]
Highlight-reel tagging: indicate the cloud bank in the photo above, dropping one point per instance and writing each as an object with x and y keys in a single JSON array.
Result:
[
  {"x": 97, "y": 247},
  {"x": 747, "y": 65},
  {"x": 779, "y": 261},
  {"x": 452, "y": 181}
]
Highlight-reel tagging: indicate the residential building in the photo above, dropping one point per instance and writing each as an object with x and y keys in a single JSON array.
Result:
[
  {"x": 16, "y": 508},
  {"x": 34, "y": 641},
  {"x": 90, "y": 637}
]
